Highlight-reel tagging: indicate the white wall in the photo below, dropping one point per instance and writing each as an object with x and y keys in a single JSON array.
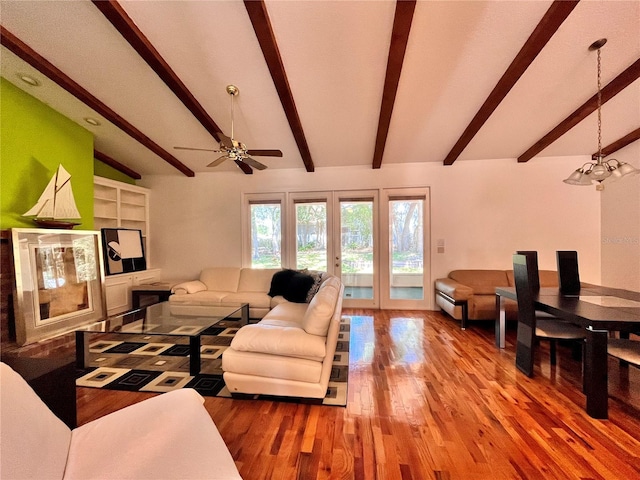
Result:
[
  {"x": 621, "y": 226},
  {"x": 483, "y": 210}
]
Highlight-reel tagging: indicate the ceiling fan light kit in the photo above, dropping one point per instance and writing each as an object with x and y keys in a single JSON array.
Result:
[
  {"x": 234, "y": 149},
  {"x": 599, "y": 170}
]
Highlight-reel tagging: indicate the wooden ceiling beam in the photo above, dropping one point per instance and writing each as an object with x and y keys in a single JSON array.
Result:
[
  {"x": 546, "y": 28},
  {"x": 118, "y": 17},
  {"x": 627, "y": 77},
  {"x": 106, "y": 159},
  {"x": 259, "y": 17},
  {"x": 37, "y": 61},
  {"x": 620, "y": 143},
  {"x": 399, "y": 39}
]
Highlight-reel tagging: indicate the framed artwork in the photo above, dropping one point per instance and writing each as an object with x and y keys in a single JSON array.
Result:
[
  {"x": 59, "y": 281},
  {"x": 123, "y": 250}
]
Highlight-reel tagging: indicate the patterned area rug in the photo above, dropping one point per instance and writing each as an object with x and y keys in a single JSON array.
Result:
[{"x": 154, "y": 363}]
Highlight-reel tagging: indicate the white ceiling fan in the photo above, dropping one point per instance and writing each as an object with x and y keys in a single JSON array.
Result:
[{"x": 234, "y": 149}]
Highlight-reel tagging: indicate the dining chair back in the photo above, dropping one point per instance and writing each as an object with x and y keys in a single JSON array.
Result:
[
  {"x": 532, "y": 262},
  {"x": 526, "y": 315},
  {"x": 568, "y": 276}
]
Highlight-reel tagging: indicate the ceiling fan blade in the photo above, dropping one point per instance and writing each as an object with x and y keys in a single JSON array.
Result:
[
  {"x": 254, "y": 163},
  {"x": 265, "y": 153},
  {"x": 198, "y": 149},
  {"x": 218, "y": 161},
  {"x": 244, "y": 167}
]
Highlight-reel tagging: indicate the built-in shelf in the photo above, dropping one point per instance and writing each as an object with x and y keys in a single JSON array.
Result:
[{"x": 121, "y": 205}]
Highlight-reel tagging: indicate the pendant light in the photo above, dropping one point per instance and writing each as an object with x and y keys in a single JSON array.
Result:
[{"x": 599, "y": 170}]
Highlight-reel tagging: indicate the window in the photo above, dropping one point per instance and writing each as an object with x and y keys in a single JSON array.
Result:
[
  {"x": 265, "y": 221},
  {"x": 311, "y": 234}
]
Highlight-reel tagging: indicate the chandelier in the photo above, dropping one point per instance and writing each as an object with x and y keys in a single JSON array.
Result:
[{"x": 599, "y": 170}]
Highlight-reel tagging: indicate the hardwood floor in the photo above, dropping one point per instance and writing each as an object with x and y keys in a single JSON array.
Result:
[{"x": 427, "y": 400}]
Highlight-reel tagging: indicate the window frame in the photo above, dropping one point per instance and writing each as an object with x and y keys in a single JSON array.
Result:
[{"x": 278, "y": 198}]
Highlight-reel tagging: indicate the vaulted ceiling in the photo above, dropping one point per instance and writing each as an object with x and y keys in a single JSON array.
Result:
[{"x": 330, "y": 83}]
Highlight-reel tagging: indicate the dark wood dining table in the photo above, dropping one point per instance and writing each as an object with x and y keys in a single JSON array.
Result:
[{"x": 599, "y": 310}]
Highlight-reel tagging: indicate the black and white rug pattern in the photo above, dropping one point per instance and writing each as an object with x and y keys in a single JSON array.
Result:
[{"x": 158, "y": 363}]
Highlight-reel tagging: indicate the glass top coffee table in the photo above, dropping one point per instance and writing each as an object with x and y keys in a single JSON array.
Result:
[{"x": 166, "y": 318}]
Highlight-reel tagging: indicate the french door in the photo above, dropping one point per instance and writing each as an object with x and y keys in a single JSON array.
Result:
[
  {"x": 356, "y": 245},
  {"x": 375, "y": 241},
  {"x": 404, "y": 271}
]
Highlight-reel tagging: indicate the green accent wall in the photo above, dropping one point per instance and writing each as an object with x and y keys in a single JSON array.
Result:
[
  {"x": 103, "y": 170},
  {"x": 34, "y": 140}
]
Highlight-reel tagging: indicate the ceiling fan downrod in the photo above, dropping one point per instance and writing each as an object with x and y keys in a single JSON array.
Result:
[{"x": 232, "y": 90}]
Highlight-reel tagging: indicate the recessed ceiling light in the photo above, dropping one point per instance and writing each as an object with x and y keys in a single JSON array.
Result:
[
  {"x": 92, "y": 121},
  {"x": 34, "y": 82}
]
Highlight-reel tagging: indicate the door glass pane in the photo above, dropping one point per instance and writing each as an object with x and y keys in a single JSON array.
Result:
[
  {"x": 406, "y": 249},
  {"x": 266, "y": 238},
  {"x": 311, "y": 235},
  {"x": 356, "y": 227}
]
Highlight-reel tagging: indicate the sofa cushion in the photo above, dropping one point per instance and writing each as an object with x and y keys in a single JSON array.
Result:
[
  {"x": 204, "y": 297},
  {"x": 256, "y": 279},
  {"x": 221, "y": 279},
  {"x": 289, "y": 312},
  {"x": 318, "y": 315},
  {"x": 275, "y": 340},
  {"x": 254, "y": 299},
  {"x": 483, "y": 282},
  {"x": 271, "y": 366}
]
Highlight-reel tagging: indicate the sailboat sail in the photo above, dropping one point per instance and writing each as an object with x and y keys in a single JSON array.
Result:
[{"x": 57, "y": 199}]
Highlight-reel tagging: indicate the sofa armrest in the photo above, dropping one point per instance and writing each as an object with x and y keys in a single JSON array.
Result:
[
  {"x": 453, "y": 289},
  {"x": 192, "y": 286},
  {"x": 279, "y": 340}
]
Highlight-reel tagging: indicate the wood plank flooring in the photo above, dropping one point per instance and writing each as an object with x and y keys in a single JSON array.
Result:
[{"x": 427, "y": 400}]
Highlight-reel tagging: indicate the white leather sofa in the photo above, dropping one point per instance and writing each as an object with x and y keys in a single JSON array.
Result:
[
  {"x": 170, "y": 436},
  {"x": 229, "y": 285},
  {"x": 290, "y": 351}
]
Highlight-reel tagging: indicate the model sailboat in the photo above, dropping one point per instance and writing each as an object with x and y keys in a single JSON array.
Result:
[{"x": 56, "y": 206}]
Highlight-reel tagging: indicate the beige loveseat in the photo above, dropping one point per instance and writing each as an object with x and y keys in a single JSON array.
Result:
[
  {"x": 230, "y": 285},
  {"x": 471, "y": 294}
]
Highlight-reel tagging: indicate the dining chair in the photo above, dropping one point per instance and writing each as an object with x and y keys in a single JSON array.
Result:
[
  {"x": 534, "y": 272},
  {"x": 568, "y": 275},
  {"x": 624, "y": 349},
  {"x": 534, "y": 277},
  {"x": 529, "y": 326}
]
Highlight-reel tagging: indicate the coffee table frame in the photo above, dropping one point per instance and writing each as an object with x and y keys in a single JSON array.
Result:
[{"x": 139, "y": 315}]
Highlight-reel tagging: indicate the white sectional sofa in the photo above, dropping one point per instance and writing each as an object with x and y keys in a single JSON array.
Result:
[
  {"x": 230, "y": 285},
  {"x": 290, "y": 351},
  {"x": 170, "y": 436}
]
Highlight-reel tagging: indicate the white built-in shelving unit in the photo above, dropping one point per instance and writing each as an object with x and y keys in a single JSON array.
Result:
[{"x": 121, "y": 205}]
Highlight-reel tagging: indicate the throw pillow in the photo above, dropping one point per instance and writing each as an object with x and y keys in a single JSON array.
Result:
[
  {"x": 280, "y": 282},
  {"x": 317, "y": 281}
]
